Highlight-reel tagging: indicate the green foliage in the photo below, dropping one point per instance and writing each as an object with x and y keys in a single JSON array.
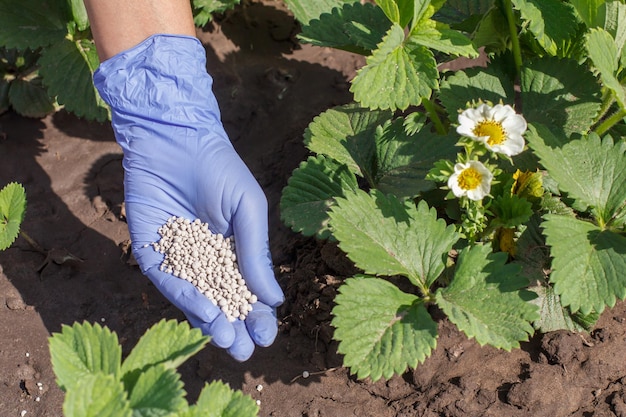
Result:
[
  {"x": 203, "y": 10},
  {"x": 59, "y": 33},
  {"x": 518, "y": 167},
  {"x": 354, "y": 27},
  {"x": 538, "y": 15},
  {"x": 12, "y": 210},
  {"x": 381, "y": 329},
  {"x": 87, "y": 360},
  {"x": 306, "y": 10},
  {"x": 486, "y": 299},
  {"x": 385, "y": 236}
]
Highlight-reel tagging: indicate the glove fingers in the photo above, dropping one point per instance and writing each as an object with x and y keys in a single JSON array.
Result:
[
  {"x": 262, "y": 324},
  {"x": 198, "y": 309},
  {"x": 243, "y": 345},
  {"x": 221, "y": 331},
  {"x": 253, "y": 254}
]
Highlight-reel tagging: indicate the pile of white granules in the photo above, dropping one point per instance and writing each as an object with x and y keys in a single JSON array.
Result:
[{"x": 208, "y": 261}]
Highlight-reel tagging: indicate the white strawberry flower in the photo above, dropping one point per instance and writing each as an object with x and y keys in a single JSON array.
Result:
[
  {"x": 498, "y": 127},
  {"x": 471, "y": 180}
]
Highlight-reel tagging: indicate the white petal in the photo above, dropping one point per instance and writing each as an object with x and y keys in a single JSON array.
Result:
[
  {"x": 501, "y": 112},
  {"x": 453, "y": 184},
  {"x": 515, "y": 123},
  {"x": 514, "y": 145},
  {"x": 484, "y": 110}
]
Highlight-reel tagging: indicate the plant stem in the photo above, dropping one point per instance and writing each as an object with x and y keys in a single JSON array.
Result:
[
  {"x": 610, "y": 121},
  {"x": 607, "y": 102},
  {"x": 517, "y": 52},
  {"x": 432, "y": 112},
  {"x": 32, "y": 242}
]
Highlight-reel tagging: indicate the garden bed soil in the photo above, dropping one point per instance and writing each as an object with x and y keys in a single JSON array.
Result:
[{"x": 269, "y": 88}]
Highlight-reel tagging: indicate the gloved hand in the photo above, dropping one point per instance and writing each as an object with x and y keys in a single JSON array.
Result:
[{"x": 178, "y": 161}]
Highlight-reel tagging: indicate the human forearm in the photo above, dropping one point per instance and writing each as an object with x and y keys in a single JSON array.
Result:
[{"x": 118, "y": 25}]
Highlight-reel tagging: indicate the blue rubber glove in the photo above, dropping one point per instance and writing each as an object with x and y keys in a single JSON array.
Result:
[{"x": 178, "y": 161}]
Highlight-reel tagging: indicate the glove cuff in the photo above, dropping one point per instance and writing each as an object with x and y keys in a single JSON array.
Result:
[{"x": 163, "y": 79}]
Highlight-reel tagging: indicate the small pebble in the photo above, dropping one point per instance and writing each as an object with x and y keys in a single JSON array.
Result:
[
  {"x": 23, "y": 413},
  {"x": 259, "y": 387},
  {"x": 258, "y": 402},
  {"x": 305, "y": 374}
]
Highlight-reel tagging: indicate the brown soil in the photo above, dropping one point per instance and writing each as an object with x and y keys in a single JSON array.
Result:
[{"x": 269, "y": 88}]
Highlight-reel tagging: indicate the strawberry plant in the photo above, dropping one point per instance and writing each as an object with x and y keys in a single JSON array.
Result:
[
  {"x": 12, "y": 210},
  {"x": 47, "y": 56},
  {"x": 497, "y": 191},
  {"x": 87, "y": 361}
]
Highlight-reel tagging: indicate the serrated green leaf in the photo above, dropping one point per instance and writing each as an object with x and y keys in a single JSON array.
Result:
[
  {"x": 401, "y": 12},
  {"x": 12, "y": 210},
  {"x": 510, "y": 211},
  {"x": 492, "y": 32},
  {"x": 553, "y": 316},
  {"x": 403, "y": 160},
  {"x": 443, "y": 39},
  {"x": 311, "y": 191},
  {"x": 560, "y": 92},
  {"x": 614, "y": 14},
  {"x": 384, "y": 236},
  {"x": 381, "y": 330},
  {"x": 32, "y": 23},
  {"x": 540, "y": 15},
  {"x": 346, "y": 134},
  {"x": 306, "y": 10},
  {"x": 354, "y": 27},
  {"x": 457, "y": 11},
  {"x": 532, "y": 254},
  {"x": 486, "y": 300},
  {"x": 158, "y": 391},
  {"x": 67, "y": 68},
  {"x": 465, "y": 87},
  {"x": 397, "y": 74},
  {"x": 83, "y": 350},
  {"x": 588, "y": 265},
  {"x": 96, "y": 395},
  {"x": 588, "y": 10},
  {"x": 218, "y": 400},
  {"x": 30, "y": 98},
  {"x": 591, "y": 171},
  {"x": 182, "y": 343},
  {"x": 603, "y": 53}
]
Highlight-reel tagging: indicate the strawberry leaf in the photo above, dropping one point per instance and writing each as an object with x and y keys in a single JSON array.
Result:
[
  {"x": 588, "y": 263},
  {"x": 385, "y": 236},
  {"x": 486, "y": 300},
  {"x": 397, "y": 74},
  {"x": 12, "y": 210},
  {"x": 97, "y": 395},
  {"x": 381, "y": 330},
  {"x": 311, "y": 191},
  {"x": 83, "y": 350}
]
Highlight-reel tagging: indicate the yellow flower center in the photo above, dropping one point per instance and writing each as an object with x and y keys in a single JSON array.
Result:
[
  {"x": 470, "y": 179},
  {"x": 493, "y": 130}
]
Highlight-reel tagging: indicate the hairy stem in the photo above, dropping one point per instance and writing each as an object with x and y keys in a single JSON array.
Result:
[
  {"x": 517, "y": 52},
  {"x": 610, "y": 121},
  {"x": 434, "y": 116}
]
